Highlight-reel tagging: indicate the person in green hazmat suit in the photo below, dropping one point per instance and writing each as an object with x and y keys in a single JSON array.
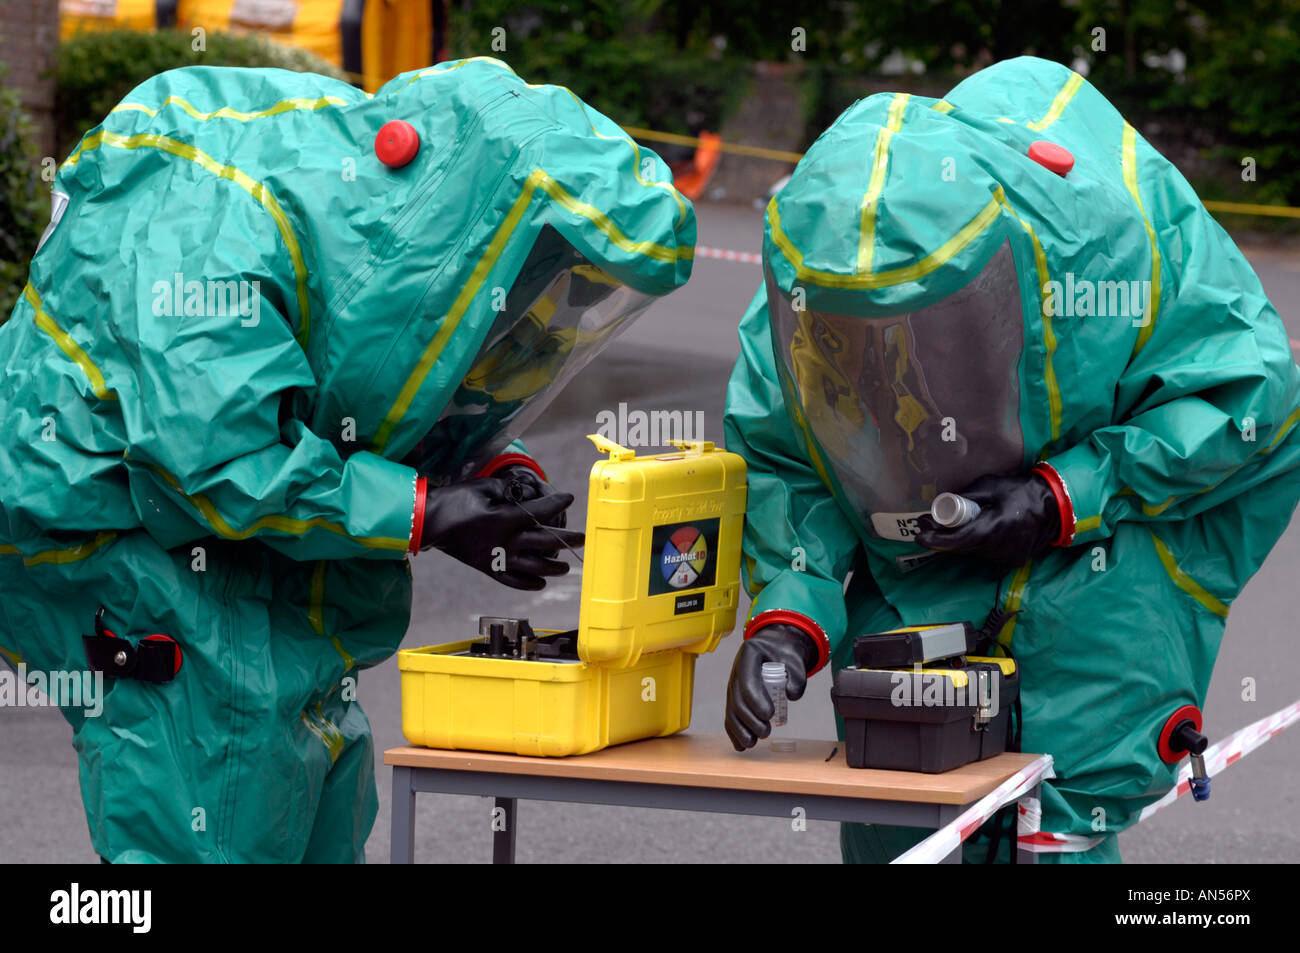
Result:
[
  {"x": 944, "y": 310},
  {"x": 279, "y": 335}
]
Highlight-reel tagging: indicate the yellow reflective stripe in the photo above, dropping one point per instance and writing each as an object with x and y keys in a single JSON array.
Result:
[
  {"x": 1157, "y": 509},
  {"x": 282, "y": 524},
  {"x": 314, "y": 729},
  {"x": 435, "y": 71},
  {"x": 943, "y": 106},
  {"x": 60, "y": 557},
  {"x": 14, "y": 658},
  {"x": 879, "y": 166},
  {"x": 1049, "y": 336},
  {"x": 250, "y": 185},
  {"x": 1186, "y": 582},
  {"x": 1129, "y": 163},
  {"x": 813, "y": 456},
  {"x": 325, "y": 730},
  {"x": 751, "y": 581},
  {"x": 1086, "y": 524},
  {"x": 225, "y": 112},
  {"x": 636, "y": 158},
  {"x": 336, "y": 735},
  {"x": 881, "y": 279},
  {"x": 1094, "y": 522},
  {"x": 454, "y": 315},
  {"x": 332, "y": 733},
  {"x": 538, "y": 179},
  {"x": 1059, "y": 103},
  {"x": 45, "y": 321},
  {"x": 1283, "y": 430},
  {"x": 795, "y": 407},
  {"x": 133, "y": 108},
  {"x": 606, "y": 226},
  {"x": 1015, "y": 594},
  {"x": 316, "y": 611}
]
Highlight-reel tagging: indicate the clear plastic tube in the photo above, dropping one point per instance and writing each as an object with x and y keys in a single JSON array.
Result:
[{"x": 774, "y": 682}]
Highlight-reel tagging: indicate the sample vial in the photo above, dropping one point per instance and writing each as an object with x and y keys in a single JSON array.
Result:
[
  {"x": 951, "y": 510},
  {"x": 774, "y": 682}
]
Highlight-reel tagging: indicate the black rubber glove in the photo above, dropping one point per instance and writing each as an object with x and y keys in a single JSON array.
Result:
[
  {"x": 531, "y": 487},
  {"x": 1018, "y": 519},
  {"x": 472, "y": 520},
  {"x": 749, "y": 707}
]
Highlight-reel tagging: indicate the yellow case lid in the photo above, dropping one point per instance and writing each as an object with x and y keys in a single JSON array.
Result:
[{"x": 662, "y": 563}]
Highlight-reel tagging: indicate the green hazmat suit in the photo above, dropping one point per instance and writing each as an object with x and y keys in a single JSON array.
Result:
[
  {"x": 244, "y": 478},
  {"x": 926, "y": 319}
]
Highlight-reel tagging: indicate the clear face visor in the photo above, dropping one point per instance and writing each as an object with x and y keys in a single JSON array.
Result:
[
  {"x": 906, "y": 407},
  {"x": 561, "y": 312}
]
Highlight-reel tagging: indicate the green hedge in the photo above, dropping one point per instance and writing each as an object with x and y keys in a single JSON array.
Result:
[
  {"x": 1220, "y": 76},
  {"x": 1236, "y": 88},
  {"x": 630, "y": 60},
  {"x": 24, "y": 209},
  {"x": 97, "y": 70}
]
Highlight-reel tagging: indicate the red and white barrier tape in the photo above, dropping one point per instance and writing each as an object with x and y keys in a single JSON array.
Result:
[
  {"x": 1217, "y": 757},
  {"x": 1035, "y": 841},
  {"x": 947, "y": 839},
  {"x": 726, "y": 254},
  {"x": 1228, "y": 752}
]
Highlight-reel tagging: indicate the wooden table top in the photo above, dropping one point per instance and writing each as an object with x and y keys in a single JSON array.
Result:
[{"x": 709, "y": 761}]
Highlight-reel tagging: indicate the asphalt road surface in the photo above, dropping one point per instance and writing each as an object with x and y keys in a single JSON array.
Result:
[{"x": 678, "y": 357}]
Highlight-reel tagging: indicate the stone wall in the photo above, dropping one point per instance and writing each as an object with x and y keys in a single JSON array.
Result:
[
  {"x": 770, "y": 116},
  {"x": 29, "y": 40}
]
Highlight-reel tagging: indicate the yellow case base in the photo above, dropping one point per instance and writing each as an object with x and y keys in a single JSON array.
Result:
[{"x": 547, "y": 709}]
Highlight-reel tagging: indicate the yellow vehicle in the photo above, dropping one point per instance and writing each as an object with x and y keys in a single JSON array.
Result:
[
  {"x": 371, "y": 40},
  {"x": 660, "y": 583}
]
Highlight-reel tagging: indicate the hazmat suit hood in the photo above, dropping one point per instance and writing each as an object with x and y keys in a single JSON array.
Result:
[
  {"x": 1024, "y": 293},
  {"x": 394, "y": 277}
]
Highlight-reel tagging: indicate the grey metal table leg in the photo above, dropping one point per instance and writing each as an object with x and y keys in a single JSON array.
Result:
[
  {"x": 503, "y": 831},
  {"x": 946, "y": 814},
  {"x": 402, "y": 846}
]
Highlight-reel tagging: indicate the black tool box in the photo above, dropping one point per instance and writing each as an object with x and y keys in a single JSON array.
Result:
[{"x": 926, "y": 718}]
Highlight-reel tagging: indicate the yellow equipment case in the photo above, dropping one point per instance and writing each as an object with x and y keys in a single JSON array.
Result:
[
  {"x": 660, "y": 583},
  {"x": 370, "y": 40}
]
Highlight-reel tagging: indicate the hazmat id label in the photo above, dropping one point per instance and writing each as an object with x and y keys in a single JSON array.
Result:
[
  {"x": 683, "y": 556},
  {"x": 899, "y": 526},
  {"x": 689, "y": 603}
]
